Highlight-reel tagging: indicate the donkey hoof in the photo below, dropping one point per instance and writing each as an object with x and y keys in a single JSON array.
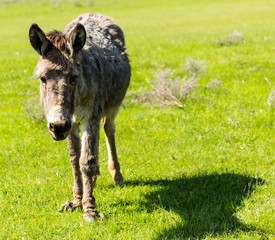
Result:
[
  {"x": 69, "y": 207},
  {"x": 91, "y": 215},
  {"x": 119, "y": 181}
]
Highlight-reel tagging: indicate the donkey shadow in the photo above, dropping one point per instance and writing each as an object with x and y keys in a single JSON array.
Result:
[{"x": 206, "y": 204}]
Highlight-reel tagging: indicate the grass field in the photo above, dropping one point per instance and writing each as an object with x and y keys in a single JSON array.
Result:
[{"x": 201, "y": 171}]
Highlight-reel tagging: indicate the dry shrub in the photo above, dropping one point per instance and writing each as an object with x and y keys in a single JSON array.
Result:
[
  {"x": 194, "y": 67},
  {"x": 169, "y": 90},
  {"x": 34, "y": 109},
  {"x": 188, "y": 86},
  {"x": 214, "y": 84},
  {"x": 233, "y": 38}
]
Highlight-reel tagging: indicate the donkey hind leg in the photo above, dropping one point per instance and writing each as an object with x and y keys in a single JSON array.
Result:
[
  {"x": 113, "y": 164},
  {"x": 74, "y": 150}
]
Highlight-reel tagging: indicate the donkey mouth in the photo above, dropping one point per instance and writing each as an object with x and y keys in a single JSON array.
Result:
[
  {"x": 59, "y": 138},
  {"x": 59, "y": 130}
]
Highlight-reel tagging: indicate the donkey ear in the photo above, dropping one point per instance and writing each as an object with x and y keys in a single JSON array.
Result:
[
  {"x": 77, "y": 39},
  {"x": 38, "y": 40}
]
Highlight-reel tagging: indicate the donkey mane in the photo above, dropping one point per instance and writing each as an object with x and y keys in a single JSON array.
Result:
[
  {"x": 58, "y": 58},
  {"x": 59, "y": 40}
]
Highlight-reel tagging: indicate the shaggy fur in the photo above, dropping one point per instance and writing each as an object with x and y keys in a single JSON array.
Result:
[{"x": 85, "y": 73}]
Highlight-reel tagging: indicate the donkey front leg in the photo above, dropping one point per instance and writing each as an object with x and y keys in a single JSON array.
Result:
[
  {"x": 74, "y": 150},
  {"x": 89, "y": 167}
]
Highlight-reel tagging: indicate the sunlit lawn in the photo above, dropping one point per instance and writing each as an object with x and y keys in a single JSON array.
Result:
[{"x": 203, "y": 171}]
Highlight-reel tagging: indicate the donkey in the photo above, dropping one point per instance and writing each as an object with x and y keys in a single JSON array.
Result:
[{"x": 85, "y": 73}]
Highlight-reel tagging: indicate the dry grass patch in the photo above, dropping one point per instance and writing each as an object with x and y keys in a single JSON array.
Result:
[
  {"x": 169, "y": 90},
  {"x": 214, "y": 84},
  {"x": 233, "y": 38},
  {"x": 195, "y": 67},
  {"x": 34, "y": 109}
]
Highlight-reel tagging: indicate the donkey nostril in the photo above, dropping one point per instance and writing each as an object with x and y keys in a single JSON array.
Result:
[{"x": 51, "y": 126}]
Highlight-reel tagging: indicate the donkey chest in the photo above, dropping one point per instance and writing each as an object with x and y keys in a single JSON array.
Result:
[{"x": 81, "y": 114}]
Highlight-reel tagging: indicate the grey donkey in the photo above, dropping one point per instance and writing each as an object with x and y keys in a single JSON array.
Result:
[{"x": 84, "y": 73}]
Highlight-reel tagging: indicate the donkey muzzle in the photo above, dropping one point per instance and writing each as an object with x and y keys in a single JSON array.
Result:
[{"x": 59, "y": 129}]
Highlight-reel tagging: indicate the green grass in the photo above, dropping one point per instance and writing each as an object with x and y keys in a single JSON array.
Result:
[{"x": 205, "y": 171}]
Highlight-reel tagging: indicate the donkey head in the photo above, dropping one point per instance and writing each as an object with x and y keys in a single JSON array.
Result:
[{"x": 59, "y": 72}]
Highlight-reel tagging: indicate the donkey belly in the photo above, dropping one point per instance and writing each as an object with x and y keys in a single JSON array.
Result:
[{"x": 116, "y": 89}]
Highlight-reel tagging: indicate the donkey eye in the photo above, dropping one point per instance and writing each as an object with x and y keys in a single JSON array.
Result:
[
  {"x": 73, "y": 80},
  {"x": 43, "y": 80}
]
